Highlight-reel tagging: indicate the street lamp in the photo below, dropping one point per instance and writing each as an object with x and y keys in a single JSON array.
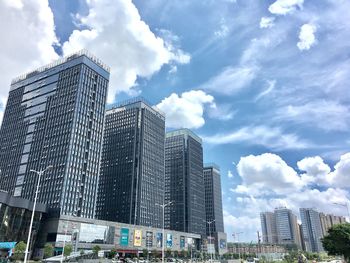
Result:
[
  {"x": 163, "y": 245},
  {"x": 209, "y": 223},
  {"x": 347, "y": 208},
  {"x": 39, "y": 173},
  {"x": 234, "y": 236}
]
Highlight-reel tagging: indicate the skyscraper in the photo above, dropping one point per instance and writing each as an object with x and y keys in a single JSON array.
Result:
[
  {"x": 131, "y": 185},
  {"x": 312, "y": 229},
  {"x": 55, "y": 116},
  {"x": 213, "y": 198},
  {"x": 287, "y": 227},
  {"x": 184, "y": 182},
  {"x": 269, "y": 227}
]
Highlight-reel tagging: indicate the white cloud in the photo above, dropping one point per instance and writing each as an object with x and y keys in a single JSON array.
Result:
[
  {"x": 29, "y": 33},
  {"x": 223, "y": 30},
  {"x": 240, "y": 224},
  {"x": 119, "y": 37},
  {"x": 307, "y": 36},
  {"x": 269, "y": 137},
  {"x": 315, "y": 168},
  {"x": 283, "y": 7},
  {"x": 267, "y": 22},
  {"x": 341, "y": 175},
  {"x": 229, "y": 174},
  {"x": 231, "y": 80},
  {"x": 222, "y": 112},
  {"x": 326, "y": 114},
  {"x": 186, "y": 110},
  {"x": 267, "y": 173},
  {"x": 271, "y": 84}
]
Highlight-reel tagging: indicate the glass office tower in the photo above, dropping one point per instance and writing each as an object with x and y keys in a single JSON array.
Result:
[
  {"x": 312, "y": 229},
  {"x": 184, "y": 182},
  {"x": 131, "y": 186},
  {"x": 55, "y": 116},
  {"x": 213, "y": 199}
]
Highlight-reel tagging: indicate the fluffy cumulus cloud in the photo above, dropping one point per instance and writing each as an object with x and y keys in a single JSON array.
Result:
[
  {"x": 307, "y": 36},
  {"x": 267, "y": 22},
  {"x": 29, "y": 33},
  {"x": 186, "y": 110},
  {"x": 315, "y": 169},
  {"x": 267, "y": 172},
  {"x": 270, "y": 137},
  {"x": 114, "y": 31},
  {"x": 283, "y": 7},
  {"x": 340, "y": 176}
]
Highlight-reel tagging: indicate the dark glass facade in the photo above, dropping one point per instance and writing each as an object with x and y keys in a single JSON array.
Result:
[
  {"x": 15, "y": 215},
  {"x": 184, "y": 182},
  {"x": 55, "y": 116},
  {"x": 132, "y": 167},
  {"x": 213, "y": 199}
]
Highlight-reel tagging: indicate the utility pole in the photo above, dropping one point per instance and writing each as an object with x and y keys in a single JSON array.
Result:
[
  {"x": 238, "y": 247},
  {"x": 259, "y": 242}
]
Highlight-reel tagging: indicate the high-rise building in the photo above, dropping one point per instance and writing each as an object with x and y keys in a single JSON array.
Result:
[
  {"x": 269, "y": 227},
  {"x": 287, "y": 227},
  {"x": 312, "y": 229},
  {"x": 213, "y": 199},
  {"x": 327, "y": 221},
  {"x": 184, "y": 182},
  {"x": 55, "y": 116},
  {"x": 131, "y": 186}
]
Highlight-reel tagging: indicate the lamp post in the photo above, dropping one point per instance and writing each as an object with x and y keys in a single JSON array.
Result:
[
  {"x": 347, "y": 208},
  {"x": 209, "y": 223},
  {"x": 163, "y": 245},
  {"x": 39, "y": 173},
  {"x": 239, "y": 251}
]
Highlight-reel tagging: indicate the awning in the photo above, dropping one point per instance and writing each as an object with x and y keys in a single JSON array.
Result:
[{"x": 7, "y": 245}]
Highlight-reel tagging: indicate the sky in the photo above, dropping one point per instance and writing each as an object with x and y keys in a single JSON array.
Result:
[{"x": 264, "y": 83}]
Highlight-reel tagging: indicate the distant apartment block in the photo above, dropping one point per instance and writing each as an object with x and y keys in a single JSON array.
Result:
[
  {"x": 131, "y": 186},
  {"x": 327, "y": 221},
  {"x": 287, "y": 227},
  {"x": 55, "y": 116},
  {"x": 269, "y": 227},
  {"x": 312, "y": 229},
  {"x": 184, "y": 182}
]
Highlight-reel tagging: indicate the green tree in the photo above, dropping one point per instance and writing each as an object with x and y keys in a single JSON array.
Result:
[
  {"x": 154, "y": 253},
  {"x": 112, "y": 253},
  {"x": 145, "y": 253},
  {"x": 82, "y": 252},
  {"x": 168, "y": 253},
  {"x": 20, "y": 249},
  {"x": 48, "y": 250},
  {"x": 68, "y": 250},
  {"x": 337, "y": 242},
  {"x": 96, "y": 249}
]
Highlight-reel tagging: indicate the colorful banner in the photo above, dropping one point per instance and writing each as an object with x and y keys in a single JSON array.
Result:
[
  {"x": 169, "y": 240},
  {"x": 124, "y": 237},
  {"x": 222, "y": 243},
  {"x": 149, "y": 239},
  {"x": 182, "y": 242},
  {"x": 159, "y": 240},
  {"x": 137, "y": 238}
]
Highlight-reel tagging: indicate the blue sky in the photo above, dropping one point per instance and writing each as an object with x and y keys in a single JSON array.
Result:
[{"x": 264, "y": 83}]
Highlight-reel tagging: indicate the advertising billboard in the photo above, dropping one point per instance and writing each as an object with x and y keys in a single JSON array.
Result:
[
  {"x": 222, "y": 243},
  {"x": 149, "y": 239},
  {"x": 137, "y": 238},
  {"x": 159, "y": 240},
  {"x": 124, "y": 237},
  {"x": 169, "y": 240},
  {"x": 182, "y": 242}
]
